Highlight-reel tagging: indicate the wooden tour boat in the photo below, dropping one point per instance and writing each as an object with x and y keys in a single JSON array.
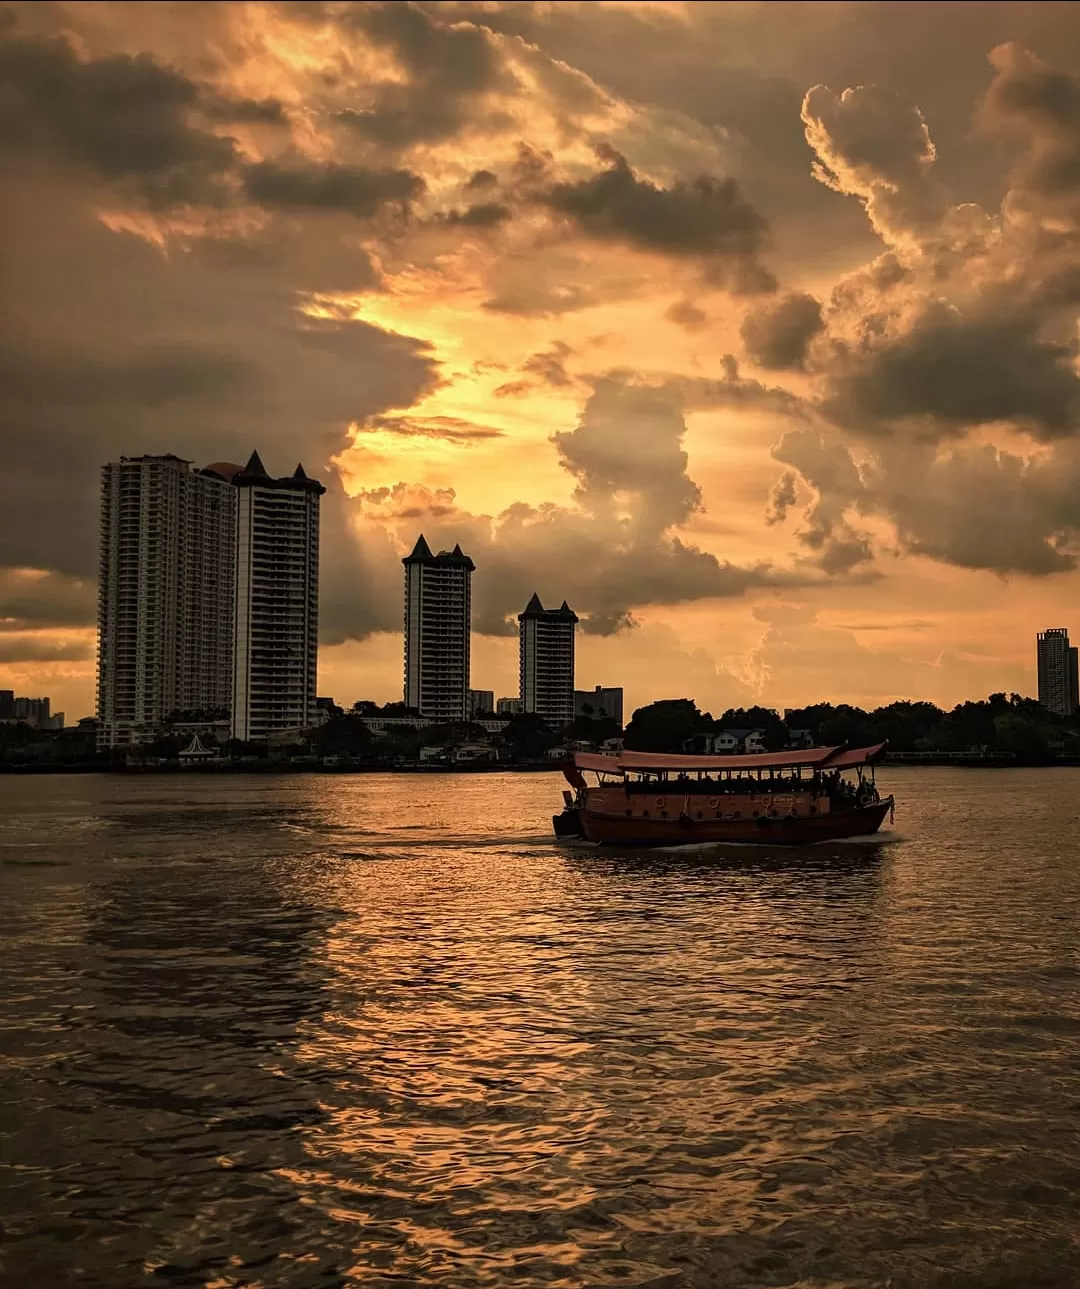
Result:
[{"x": 657, "y": 799}]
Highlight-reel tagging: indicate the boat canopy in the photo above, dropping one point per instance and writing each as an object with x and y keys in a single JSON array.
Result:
[{"x": 817, "y": 758}]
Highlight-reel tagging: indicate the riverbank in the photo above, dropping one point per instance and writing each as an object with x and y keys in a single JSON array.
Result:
[{"x": 281, "y": 767}]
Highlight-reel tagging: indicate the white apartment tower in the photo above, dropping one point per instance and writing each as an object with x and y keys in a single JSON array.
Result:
[
  {"x": 1057, "y": 667},
  {"x": 438, "y": 619},
  {"x": 165, "y": 596},
  {"x": 546, "y": 656},
  {"x": 277, "y": 601}
]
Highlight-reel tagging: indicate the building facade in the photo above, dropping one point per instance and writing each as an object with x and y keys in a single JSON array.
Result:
[
  {"x": 276, "y": 620},
  {"x": 438, "y": 625},
  {"x": 1057, "y": 668},
  {"x": 481, "y": 702},
  {"x": 164, "y": 595},
  {"x": 600, "y": 703},
  {"x": 509, "y": 707},
  {"x": 546, "y": 661}
]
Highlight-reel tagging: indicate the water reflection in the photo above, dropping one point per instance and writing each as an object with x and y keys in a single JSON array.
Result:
[{"x": 382, "y": 1031}]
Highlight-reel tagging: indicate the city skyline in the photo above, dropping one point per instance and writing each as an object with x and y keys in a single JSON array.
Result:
[{"x": 756, "y": 360}]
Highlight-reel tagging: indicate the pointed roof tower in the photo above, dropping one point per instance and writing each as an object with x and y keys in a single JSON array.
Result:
[
  {"x": 298, "y": 473},
  {"x": 534, "y": 609},
  {"x": 421, "y": 553},
  {"x": 255, "y": 465}
]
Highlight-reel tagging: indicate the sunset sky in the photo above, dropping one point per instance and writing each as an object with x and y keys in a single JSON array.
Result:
[{"x": 749, "y": 329}]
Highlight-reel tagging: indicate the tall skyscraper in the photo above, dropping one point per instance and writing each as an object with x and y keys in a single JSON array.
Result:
[
  {"x": 438, "y": 620},
  {"x": 546, "y": 661},
  {"x": 164, "y": 596},
  {"x": 1057, "y": 666},
  {"x": 277, "y": 601}
]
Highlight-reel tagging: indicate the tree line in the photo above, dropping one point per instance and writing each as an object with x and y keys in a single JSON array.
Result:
[{"x": 1000, "y": 723}]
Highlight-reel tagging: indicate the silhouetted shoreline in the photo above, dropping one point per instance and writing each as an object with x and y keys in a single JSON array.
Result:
[{"x": 957, "y": 760}]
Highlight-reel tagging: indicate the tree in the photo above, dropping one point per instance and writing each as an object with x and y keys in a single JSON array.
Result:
[
  {"x": 664, "y": 726},
  {"x": 344, "y": 735},
  {"x": 528, "y": 736},
  {"x": 592, "y": 729}
]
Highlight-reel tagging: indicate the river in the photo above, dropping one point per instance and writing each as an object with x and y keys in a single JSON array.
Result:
[{"x": 329, "y": 1031}]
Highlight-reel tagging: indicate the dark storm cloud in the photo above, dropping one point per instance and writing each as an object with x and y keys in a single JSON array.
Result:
[
  {"x": 125, "y": 119},
  {"x": 480, "y": 180},
  {"x": 704, "y": 217},
  {"x": 1041, "y": 106},
  {"x": 247, "y": 111},
  {"x": 114, "y": 348},
  {"x": 976, "y": 507},
  {"x": 150, "y": 376},
  {"x": 777, "y": 333},
  {"x": 485, "y": 214},
  {"x": 684, "y": 313},
  {"x": 16, "y": 649},
  {"x": 447, "y": 66},
  {"x": 329, "y": 186},
  {"x": 950, "y": 371},
  {"x": 33, "y": 600}
]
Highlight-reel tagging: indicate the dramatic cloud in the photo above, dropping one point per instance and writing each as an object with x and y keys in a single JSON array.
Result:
[
  {"x": 125, "y": 119},
  {"x": 778, "y": 332},
  {"x": 491, "y": 249},
  {"x": 615, "y": 550},
  {"x": 704, "y": 217},
  {"x": 875, "y": 145},
  {"x": 31, "y": 599},
  {"x": 35, "y": 648},
  {"x": 1030, "y": 100},
  {"x": 329, "y": 187},
  {"x": 948, "y": 371},
  {"x": 444, "y": 69}
]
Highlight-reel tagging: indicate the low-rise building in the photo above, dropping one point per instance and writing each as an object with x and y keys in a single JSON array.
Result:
[{"x": 601, "y": 703}]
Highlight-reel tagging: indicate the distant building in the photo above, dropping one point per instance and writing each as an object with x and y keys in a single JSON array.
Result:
[
  {"x": 546, "y": 661},
  {"x": 277, "y": 602},
  {"x": 1057, "y": 667},
  {"x": 481, "y": 702},
  {"x": 28, "y": 711},
  {"x": 438, "y": 619},
  {"x": 599, "y": 703},
  {"x": 509, "y": 707},
  {"x": 734, "y": 742},
  {"x": 165, "y": 594}
]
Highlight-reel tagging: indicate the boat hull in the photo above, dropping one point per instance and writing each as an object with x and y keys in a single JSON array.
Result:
[{"x": 792, "y": 830}]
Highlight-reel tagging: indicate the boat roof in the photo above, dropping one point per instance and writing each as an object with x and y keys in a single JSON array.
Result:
[{"x": 823, "y": 758}]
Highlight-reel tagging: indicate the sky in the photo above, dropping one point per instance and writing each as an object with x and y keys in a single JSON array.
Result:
[{"x": 749, "y": 329}]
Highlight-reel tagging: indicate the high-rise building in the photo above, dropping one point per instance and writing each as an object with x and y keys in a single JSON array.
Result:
[
  {"x": 509, "y": 707},
  {"x": 7, "y": 704},
  {"x": 164, "y": 596},
  {"x": 1057, "y": 667},
  {"x": 481, "y": 702},
  {"x": 599, "y": 704},
  {"x": 546, "y": 656},
  {"x": 438, "y": 620},
  {"x": 277, "y": 602}
]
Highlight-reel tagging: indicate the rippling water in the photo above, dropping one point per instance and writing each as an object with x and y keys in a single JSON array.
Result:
[{"x": 343, "y": 1031}]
